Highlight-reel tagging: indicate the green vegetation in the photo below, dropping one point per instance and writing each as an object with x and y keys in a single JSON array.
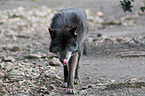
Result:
[{"x": 126, "y": 5}]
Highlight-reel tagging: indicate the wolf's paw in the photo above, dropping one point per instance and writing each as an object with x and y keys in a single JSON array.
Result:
[
  {"x": 70, "y": 91},
  {"x": 77, "y": 81},
  {"x": 64, "y": 85}
]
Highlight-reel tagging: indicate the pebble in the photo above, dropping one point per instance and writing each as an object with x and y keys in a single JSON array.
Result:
[
  {"x": 143, "y": 87},
  {"x": 13, "y": 73},
  {"x": 43, "y": 88},
  {"x": 46, "y": 91},
  {"x": 90, "y": 85},
  {"x": 141, "y": 13},
  {"x": 2, "y": 64},
  {"x": 99, "y": 84},
  {"x": 84, "y": 87},
  {"x": 2, "y": 74},
  {"x": 89, "y": 77},
  {"x": 54, "y": 62},
  {"x": 4, "y": 91},
  {"x": 0, "y": 60},
  {"x": 16, "y": 48},
  {"x": 112, "y": 81},
  {"x": 9, "y": 59},
  {"x": 1, "y": 83},
  {"x": 100, "y": 14},
  {"x": 133, "y": 79},
  {"x": 33, "y": 56},
  {"x": 51, "y": 86}
]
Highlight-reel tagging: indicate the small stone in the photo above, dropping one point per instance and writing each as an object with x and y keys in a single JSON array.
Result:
[
  {"x": 52, "y": 93},
  {"x": 51, "y": 55},
  {"x": 119, "y": 39},
  {"x": 2, "y": 74},
  {"x": 143, "y": 87},
  {"x": 13, "y": 73},
  {"x": 16, "y": 48},
  {"x": 84, "y": 87},
  {"x": 9, "y": 65},
  {"x": 2, "y": 64},
  {"x": 44, "y": 88},
  {"x": 90, "y": 40},
  {"x": 43, "y": 55},
  {"x": 99, "y": 35},
  {"x": 141, "y": 13},
  {"x": 3, "y": 90},
  {"x": 100, "y": 14},
  {"x": 112, "y": 81},
  {"x": 51, "y": 86},
  {"x": 54, "y": 62},
  {"x": 9, "y": 59},
  {"x": 33, "y": 56},
  {"x": 133, "y": 80},
  {"x": 99, "y": 20},
  {"x": 99, "y": 84},
  {"x": 46, "y": 92},
  {"x": 1, "y": 83},
  {"x": 89, "y": 85},
  {"x": 89, "y": 77}
]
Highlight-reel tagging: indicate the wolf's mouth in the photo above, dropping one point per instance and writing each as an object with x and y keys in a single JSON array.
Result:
[{"x": 65, "y": 62}]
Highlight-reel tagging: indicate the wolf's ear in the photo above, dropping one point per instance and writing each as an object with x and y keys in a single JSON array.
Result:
[
  {"x": 74, "y": 31},
  {"x": 52, "y": 32}
]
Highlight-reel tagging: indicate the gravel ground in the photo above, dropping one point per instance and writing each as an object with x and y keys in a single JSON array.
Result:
[{"x": 116, "y": 42}]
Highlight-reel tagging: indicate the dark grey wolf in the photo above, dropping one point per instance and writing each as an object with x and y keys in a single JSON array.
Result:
[{"x": 68, "y": 30}]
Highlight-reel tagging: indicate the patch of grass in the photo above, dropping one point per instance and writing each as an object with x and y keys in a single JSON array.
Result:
[
  {"x": 1, "y": 23},
  {"x": 33, "y": 0},
  {"x": 6, "y": 31},
  {"x": 90, "y": 20}
]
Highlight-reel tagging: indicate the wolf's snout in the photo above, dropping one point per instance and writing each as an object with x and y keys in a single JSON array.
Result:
[{"x": 65, "y": 61}]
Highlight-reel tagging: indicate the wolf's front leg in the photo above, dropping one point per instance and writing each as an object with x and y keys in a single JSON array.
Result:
[
  {"x": 77, "y": 71},
  {"x": 72, "y": 66},
  {"x": 65, "y": 70}
]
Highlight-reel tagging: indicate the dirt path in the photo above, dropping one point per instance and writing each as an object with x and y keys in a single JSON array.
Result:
[{"x": 102, "y": 63}]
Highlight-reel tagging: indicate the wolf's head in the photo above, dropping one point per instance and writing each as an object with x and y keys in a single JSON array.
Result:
[{"x": 64, "y": 43}]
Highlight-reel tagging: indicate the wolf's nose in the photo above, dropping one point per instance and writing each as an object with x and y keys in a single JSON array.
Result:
[{"x": 65, "y": 61}]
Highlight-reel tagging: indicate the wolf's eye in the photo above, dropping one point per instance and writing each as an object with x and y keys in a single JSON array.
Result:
[
  {"x": 57, "y": 47},
  {"x": 68, "y": 46}
]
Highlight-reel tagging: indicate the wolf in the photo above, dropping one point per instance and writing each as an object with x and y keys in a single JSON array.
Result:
[{"x": 68, "y": 30}]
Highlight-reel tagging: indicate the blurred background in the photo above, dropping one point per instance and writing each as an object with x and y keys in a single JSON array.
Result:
[{"x": 110, "y": 8}]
